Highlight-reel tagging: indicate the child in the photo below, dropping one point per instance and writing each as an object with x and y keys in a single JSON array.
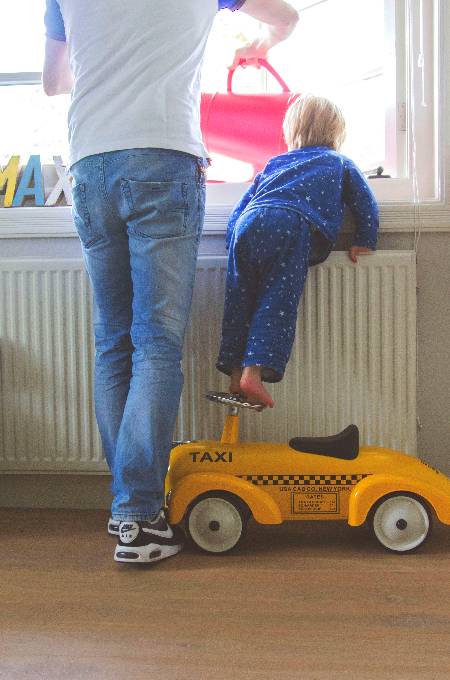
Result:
[{"x": 295, "y": 205}]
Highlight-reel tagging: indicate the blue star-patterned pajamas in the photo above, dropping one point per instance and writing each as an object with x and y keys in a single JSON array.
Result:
[
  {"x": 289, "y": 219},
  {"x": 267, "y": 268}
]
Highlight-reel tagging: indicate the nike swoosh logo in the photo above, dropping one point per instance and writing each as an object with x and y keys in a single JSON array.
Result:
[{"x": 167, "y": 533}]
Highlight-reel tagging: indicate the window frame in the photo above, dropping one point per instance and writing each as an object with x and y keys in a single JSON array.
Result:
[
  {"x": 20, "y": 78},
  {"x": 396, "y": 215}
]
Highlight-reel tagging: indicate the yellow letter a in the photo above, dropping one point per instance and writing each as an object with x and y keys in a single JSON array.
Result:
[{"x": 8, "y": 176}]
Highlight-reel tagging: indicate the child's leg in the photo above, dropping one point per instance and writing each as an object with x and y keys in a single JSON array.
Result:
[
  {"x": 284, "y": 254},
  {"x": 240, "y": 299}
]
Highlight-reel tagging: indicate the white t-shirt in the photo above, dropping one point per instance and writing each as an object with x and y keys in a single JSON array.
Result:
[{"x": 136, "y": 67}]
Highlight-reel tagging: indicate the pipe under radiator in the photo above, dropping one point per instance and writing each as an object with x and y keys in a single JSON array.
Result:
[{"x": 354, "y": 360}]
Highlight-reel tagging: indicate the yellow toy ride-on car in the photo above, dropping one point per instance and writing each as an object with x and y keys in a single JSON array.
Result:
[{"x": 216, "y": 486}]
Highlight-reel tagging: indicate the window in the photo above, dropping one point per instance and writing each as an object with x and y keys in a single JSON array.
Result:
[
  {"x": 319, "y": 57},
  {"x": 32, "y": 123},
  {"x": 382, "y": 61},
  {"x": 376, "y": 60}
]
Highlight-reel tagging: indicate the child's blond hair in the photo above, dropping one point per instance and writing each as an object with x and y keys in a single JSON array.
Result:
[{"x": 313, "y": 121}]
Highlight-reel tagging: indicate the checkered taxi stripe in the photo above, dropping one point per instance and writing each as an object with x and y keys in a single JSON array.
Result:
[{"x": 309, "y": 480}]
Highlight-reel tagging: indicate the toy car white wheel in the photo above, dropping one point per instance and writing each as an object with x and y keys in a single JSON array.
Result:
[
  {"x": 216, "y": 523},
  {"x": 401, "y": 522}
]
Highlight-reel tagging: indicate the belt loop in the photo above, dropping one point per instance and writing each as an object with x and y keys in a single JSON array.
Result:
[{"x": 202, "y": 165}]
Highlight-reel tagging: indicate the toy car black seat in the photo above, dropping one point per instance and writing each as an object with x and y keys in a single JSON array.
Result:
[{"x": 343, "y": 445}]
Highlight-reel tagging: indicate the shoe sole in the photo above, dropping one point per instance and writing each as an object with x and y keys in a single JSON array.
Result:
[{"x": 153, "y": 552}]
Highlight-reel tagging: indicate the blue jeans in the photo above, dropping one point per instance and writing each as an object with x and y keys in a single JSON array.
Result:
[{"x": 139, "y": 215}]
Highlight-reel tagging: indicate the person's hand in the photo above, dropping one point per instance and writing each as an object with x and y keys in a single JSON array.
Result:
[
  {"x": 355, "y": 251},
  {"x": 251, "y": 53}
]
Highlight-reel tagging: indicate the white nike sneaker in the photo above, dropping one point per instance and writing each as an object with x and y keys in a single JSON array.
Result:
[{"x": 148, "y": 541}]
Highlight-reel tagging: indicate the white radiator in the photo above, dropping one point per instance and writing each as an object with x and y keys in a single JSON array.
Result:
[{"x": 354, "y": 360}]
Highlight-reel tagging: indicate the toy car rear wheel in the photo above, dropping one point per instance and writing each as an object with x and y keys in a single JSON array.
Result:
[
  {"x": 216, "y": 523},
  {"x": 401, "y": 522}
]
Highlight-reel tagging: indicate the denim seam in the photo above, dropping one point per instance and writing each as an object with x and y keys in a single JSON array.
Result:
[
  {"x": 106, "y": 197},
  {"x": 81, "y": 207},
  {"x": 201, "y": 199},
  {"x": 184, "y": 192}
]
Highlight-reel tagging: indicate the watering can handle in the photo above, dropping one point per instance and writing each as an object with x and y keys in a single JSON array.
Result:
[{"x": 264, "y": 63}]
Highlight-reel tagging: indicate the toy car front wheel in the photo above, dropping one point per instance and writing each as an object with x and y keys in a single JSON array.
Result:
[
  {"x": 401, "y": 522},
  {"x": 216, "y": 523}
]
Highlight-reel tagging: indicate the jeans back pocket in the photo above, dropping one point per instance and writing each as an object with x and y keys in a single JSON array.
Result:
[{"x": 156, "y": 209}]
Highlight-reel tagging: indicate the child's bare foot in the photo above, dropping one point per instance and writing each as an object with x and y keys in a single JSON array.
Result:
[
  {"x": 252, "y": 388},
  {"x": 236, "y": 374}
]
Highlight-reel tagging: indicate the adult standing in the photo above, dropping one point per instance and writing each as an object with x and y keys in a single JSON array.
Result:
[{"x": 138, "y": 165}]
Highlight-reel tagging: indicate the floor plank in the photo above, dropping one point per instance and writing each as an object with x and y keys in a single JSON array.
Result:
[{"x": 312, "y": 601}]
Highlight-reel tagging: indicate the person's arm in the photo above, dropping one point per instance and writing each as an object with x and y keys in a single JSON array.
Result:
[
  {"x": 359, "y": 197},
  {"x": 240, "y": 207},
  {"x": 280, "y": 19},
  {"x": 56, "y": 75}
]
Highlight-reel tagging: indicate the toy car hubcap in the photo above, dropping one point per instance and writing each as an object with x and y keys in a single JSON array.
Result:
[
  {"x": 215, "y": 524},
  {"x": 401, "y": 523}
]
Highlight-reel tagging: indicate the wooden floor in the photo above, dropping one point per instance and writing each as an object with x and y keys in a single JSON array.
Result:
[{"x": 307, "y": 601}]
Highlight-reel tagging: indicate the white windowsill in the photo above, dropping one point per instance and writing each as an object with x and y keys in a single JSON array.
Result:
[{"x": 57, "y": 221}]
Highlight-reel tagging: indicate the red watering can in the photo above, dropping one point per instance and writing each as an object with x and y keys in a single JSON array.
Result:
[{"x": 247, "y": 127}]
